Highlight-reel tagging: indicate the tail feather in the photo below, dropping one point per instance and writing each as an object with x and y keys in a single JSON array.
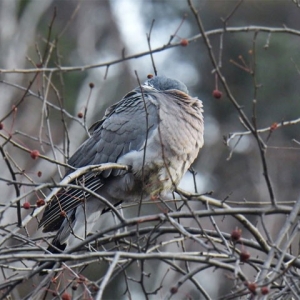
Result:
[{"x": 75, "y": 228}]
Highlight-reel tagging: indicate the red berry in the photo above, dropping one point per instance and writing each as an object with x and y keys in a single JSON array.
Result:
[
  {"x": 236, "y": 234},
  {"x": 1, "y": 126},
  {"x": 273, "y": 126},
  {"x": 63, "y": 213},
  {"x": 80, "y": 115},
  {"x": 252, "y": 287},
  {"x": 244, "y": 256},
  {"x": 40, "y": 202},
  {"x": 173, "y": 290},
  {"x": 34, "y": 154},
  {"x": 39, "y": 173},
  {"x": 217, "y": 94},
  {"x": 91, "y": 85},
  {"x": 264, "y": 290},
  {"x": 26, "y": 205},
  {"x": 184, "y": 42},
  {"x": 66, "y": 296},
  {"x": 149, "y": 76}
]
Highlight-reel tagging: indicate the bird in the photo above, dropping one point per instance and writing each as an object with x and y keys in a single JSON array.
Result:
[{"x": 156, "y": 130}]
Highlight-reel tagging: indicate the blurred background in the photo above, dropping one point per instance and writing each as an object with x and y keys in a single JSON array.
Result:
[{"x": 91, "y": 32}]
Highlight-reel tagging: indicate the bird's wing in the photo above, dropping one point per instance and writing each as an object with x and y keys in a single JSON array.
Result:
[{"x": 122, "y": 130}]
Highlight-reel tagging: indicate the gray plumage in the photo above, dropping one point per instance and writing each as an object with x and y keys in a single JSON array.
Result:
[{"x": 159, "y": 115}]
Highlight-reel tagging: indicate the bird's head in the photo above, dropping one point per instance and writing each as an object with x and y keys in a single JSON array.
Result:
[{"x": 163, "y": 83}]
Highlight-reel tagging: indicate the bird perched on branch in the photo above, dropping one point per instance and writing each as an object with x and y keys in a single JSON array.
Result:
[{"x": 156, "y": 130}]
